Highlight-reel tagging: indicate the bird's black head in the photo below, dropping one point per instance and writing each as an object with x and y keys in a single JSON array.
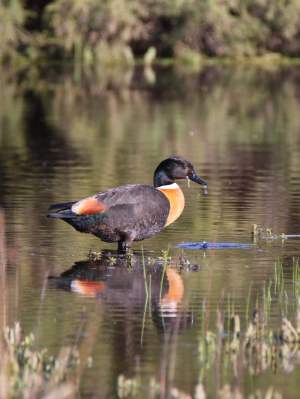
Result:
[{"x": 175, "y": 168}]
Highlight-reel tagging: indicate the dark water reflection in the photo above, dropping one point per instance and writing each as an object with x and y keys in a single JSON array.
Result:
[
  {"x": 134, "y": 283},
  {"x": 239, "y": 127}
]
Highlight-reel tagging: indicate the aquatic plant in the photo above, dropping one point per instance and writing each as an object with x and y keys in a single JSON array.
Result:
[
  {"x": 260, "y": 233},
  {"x": 255, "y": 346},
  {"x": 29, "y": 373}
]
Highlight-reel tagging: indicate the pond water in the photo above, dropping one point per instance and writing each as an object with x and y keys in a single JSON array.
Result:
[{"x": 149, "y": 314}]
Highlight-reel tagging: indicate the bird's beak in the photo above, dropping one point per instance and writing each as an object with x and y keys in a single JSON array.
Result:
[{"x": 197, "y": 179}]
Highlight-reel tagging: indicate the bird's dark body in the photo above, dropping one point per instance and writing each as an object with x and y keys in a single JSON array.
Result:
[{"x": 126, "y": 217}]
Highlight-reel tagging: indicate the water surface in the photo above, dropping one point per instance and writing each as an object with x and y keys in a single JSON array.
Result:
[{"x": 60, "y": 140}]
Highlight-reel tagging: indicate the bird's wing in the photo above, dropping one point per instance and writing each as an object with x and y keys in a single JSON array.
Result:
[
  {"x": 88, "y": 206},
  {"x": 124, "y": 195},
  {"x": 101, "y": 202}
]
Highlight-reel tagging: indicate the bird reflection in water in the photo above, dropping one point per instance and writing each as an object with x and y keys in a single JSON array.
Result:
[{"x": 131, "y": 280}]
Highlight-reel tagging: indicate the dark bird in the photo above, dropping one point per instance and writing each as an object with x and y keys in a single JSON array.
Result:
[{"x": 132, "y": 212}]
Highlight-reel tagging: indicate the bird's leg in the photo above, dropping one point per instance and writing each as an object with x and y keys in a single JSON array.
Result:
[
  {"x": 123, "y": 246},
  {"x": 125, "y": 243}
]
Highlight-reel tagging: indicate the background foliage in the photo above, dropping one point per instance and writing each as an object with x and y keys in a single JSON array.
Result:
[{"x": 117, "y": 31}]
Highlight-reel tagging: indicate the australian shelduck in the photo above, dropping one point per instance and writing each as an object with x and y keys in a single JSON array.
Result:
[{"x": 131, "y": 212}]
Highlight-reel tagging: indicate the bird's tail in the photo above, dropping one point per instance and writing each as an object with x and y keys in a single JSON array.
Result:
[
  {"x": 61, "y": 211},
  {"x": 68, "y": 214}
]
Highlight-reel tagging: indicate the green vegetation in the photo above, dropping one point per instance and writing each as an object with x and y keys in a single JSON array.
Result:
[
  {"x": 26, "y": 372},
  {"x": 89, "y": 32},
  {"x": 258, "y": 346},
  {"x": 233, "y": 343}
]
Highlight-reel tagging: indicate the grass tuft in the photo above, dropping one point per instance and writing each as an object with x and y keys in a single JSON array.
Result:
[{"x": 26, "y": 372}]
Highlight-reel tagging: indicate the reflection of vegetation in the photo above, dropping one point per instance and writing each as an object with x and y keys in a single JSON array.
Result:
[
  {"x": 101, "y": 139},
  {"x": 131, "y": 388},
  {"x": 12, "y": 20}
]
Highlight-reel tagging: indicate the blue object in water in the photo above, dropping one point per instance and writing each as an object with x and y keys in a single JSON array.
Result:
[{"x": 214, "y": 245}]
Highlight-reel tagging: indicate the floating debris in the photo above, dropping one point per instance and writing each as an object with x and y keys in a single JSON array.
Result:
[
  {"x": 214, "y": 245},
  {"x": 260, "y": 233}
]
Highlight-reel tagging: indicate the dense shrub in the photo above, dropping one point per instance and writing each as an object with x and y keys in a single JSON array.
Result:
[
  {"x": 85, "y": 26},
  {"x": 90, "y": 31},
  {"x": 12, "y": 19},
  {"x": 245, "y": 27}
]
